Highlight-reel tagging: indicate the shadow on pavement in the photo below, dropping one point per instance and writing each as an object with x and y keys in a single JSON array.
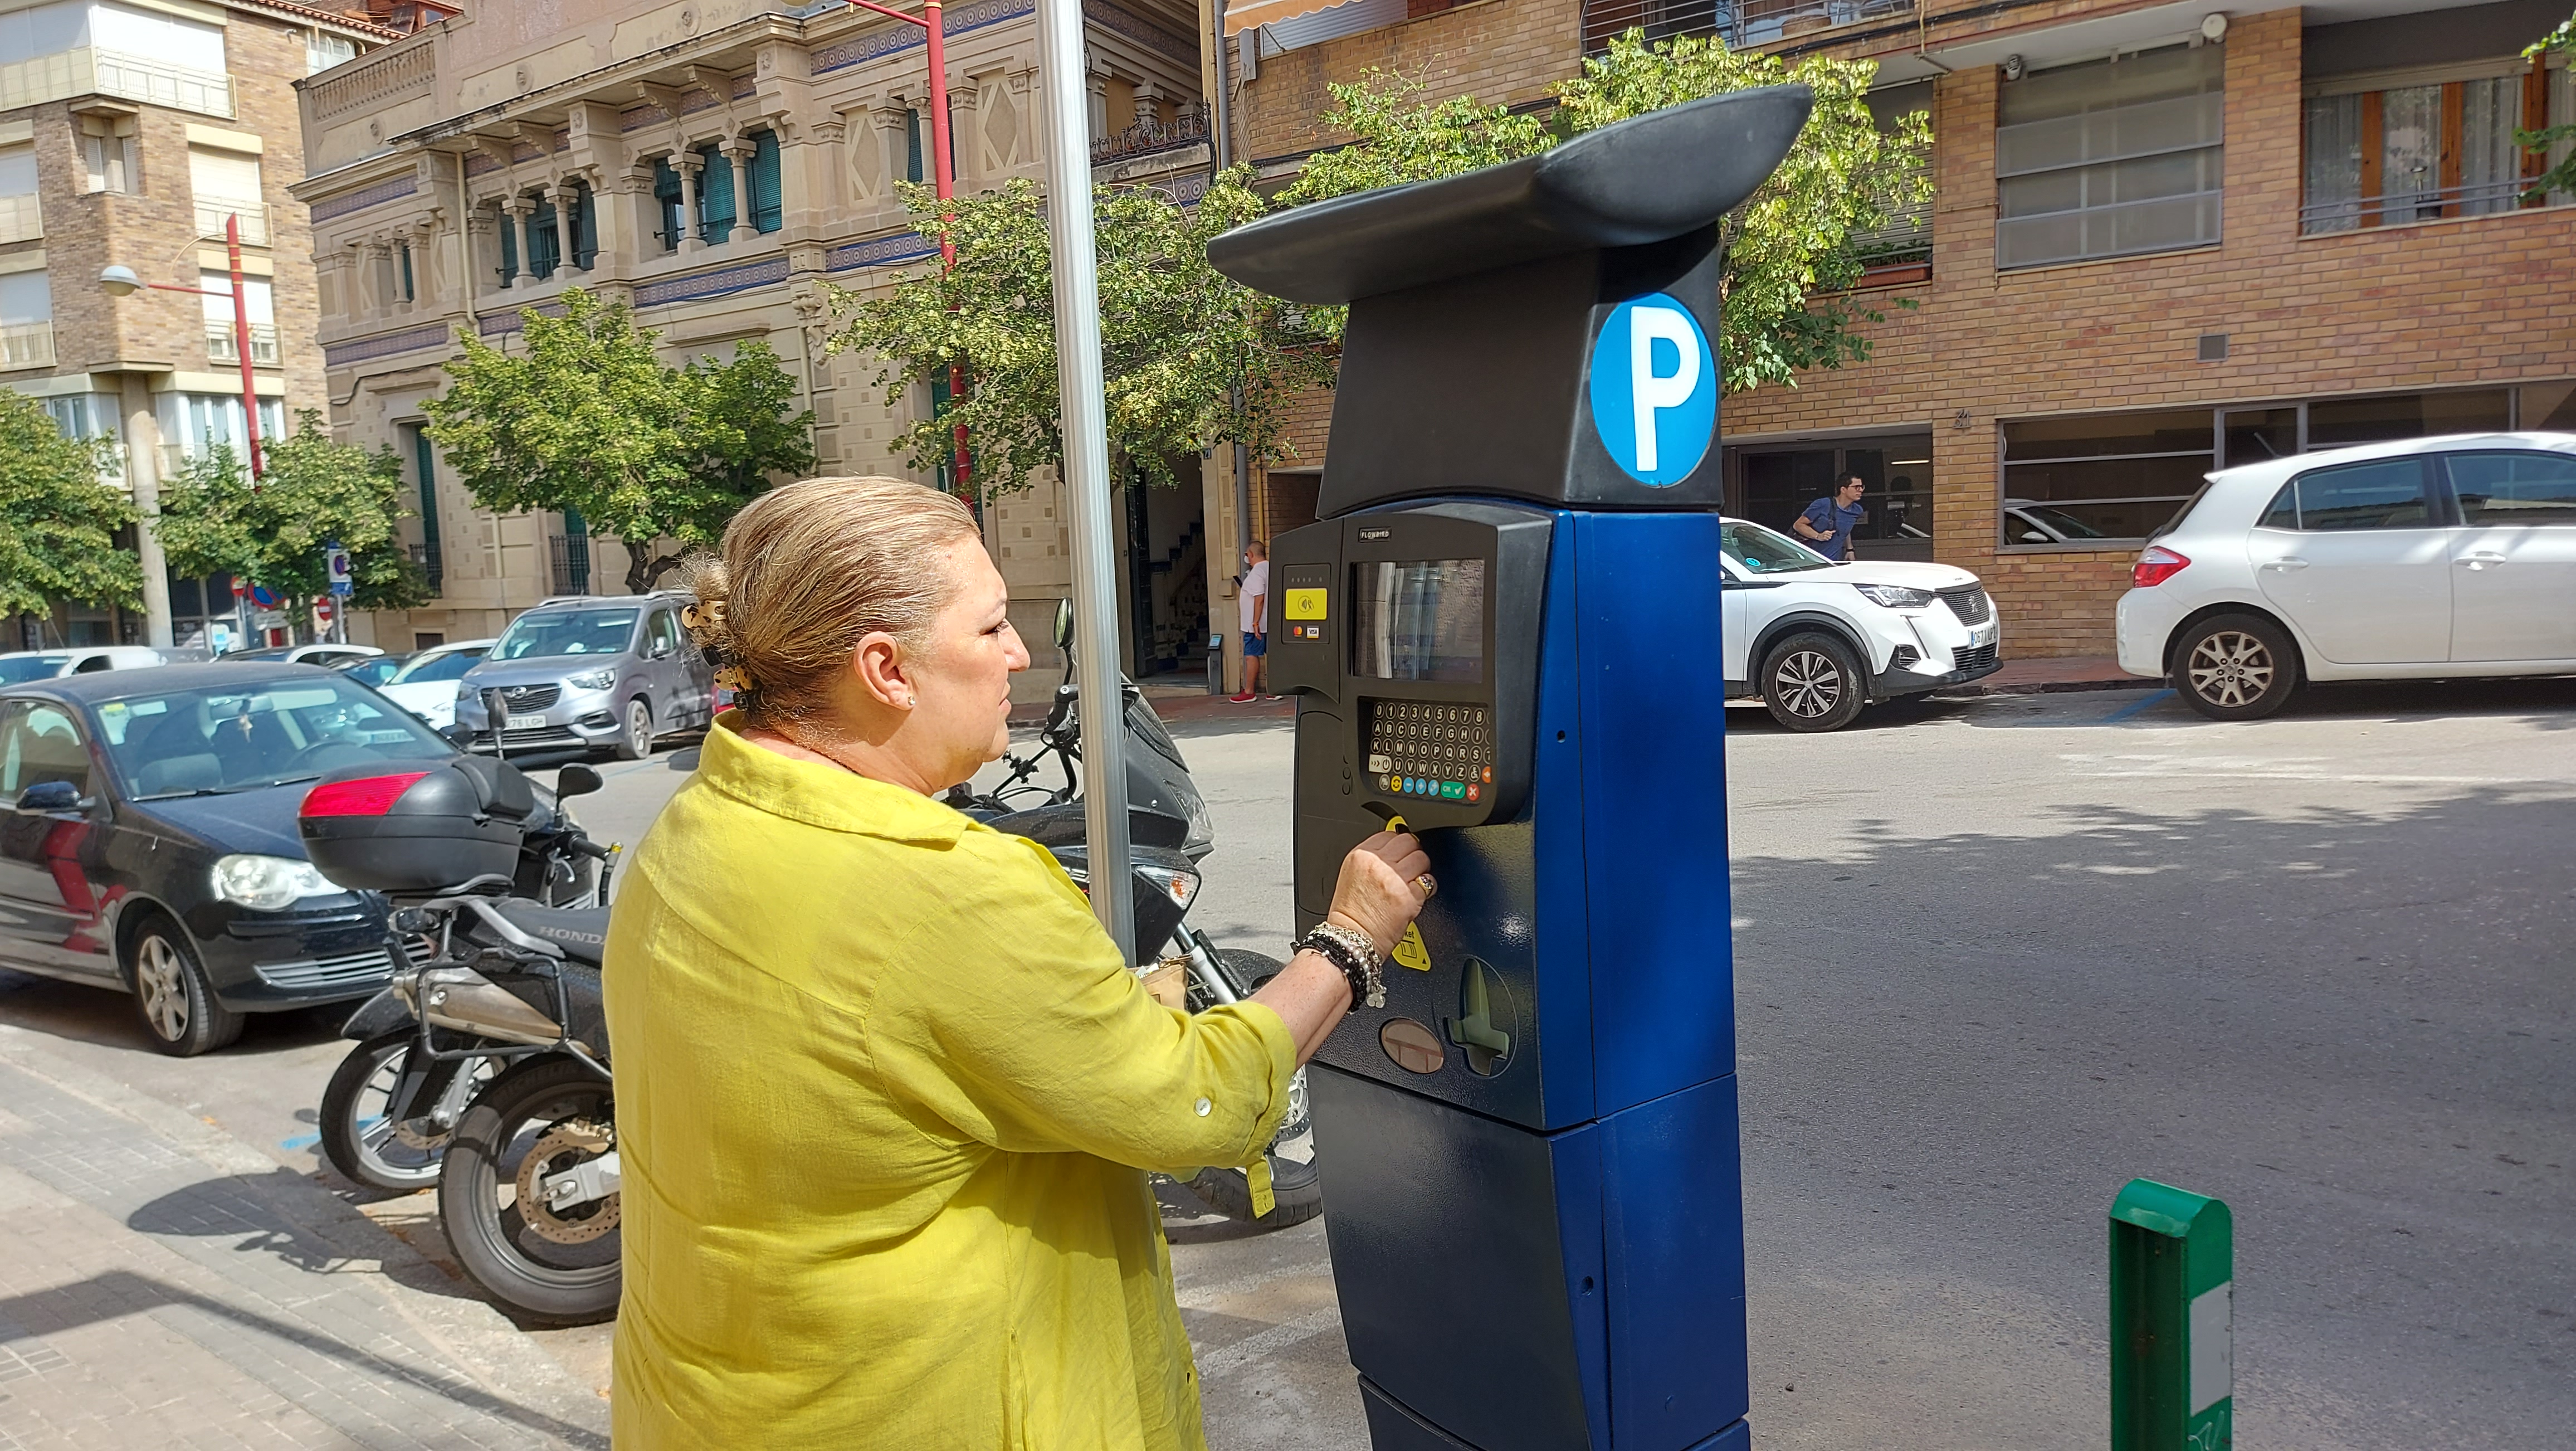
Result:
[{"x": 105, "y": 1017}]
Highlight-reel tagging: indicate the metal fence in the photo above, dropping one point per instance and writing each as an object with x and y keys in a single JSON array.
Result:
[{"x": 1740, "y": 23}]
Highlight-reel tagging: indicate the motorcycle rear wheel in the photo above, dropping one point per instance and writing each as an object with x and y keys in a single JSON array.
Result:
[
  {"x": 1296, "y": 1189},
  {"x": 357, "y": 1137},
  {"x": 559, "y": 1268}
]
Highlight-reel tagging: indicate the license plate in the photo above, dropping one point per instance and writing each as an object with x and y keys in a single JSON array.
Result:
[
  {"x": 526, "y": 723},
  {"x": 1983, "y": 635}
]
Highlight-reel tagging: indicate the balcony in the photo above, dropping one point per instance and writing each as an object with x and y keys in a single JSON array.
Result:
[
  {"x": 1188, "y": 127},
  {"x": 220, "y": 349},
  {"x": 2416, "y": 204},
  {"x": 89, "y": 71},
  {"x": 213, "y": 212},
  {"x": 27, "y": 345},
  {"x": 21, "y": 219},
  {"x": 569, "y": 556},
  {"x": 1742, "y": 24}
]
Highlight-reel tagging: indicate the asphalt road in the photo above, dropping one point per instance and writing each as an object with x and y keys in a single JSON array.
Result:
[{"x": 1994, "y": 959}]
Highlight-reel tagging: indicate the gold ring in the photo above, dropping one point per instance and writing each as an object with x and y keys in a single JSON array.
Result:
[{"x": 1429, "y": 887}]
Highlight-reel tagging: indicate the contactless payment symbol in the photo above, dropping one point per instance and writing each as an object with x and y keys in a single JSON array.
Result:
[{"x": 1654, "y": 390}]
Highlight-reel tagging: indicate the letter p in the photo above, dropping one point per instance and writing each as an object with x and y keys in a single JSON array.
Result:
[{"x": 1649, "y": 390}]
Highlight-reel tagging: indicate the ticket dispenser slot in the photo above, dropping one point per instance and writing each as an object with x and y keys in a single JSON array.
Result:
[{"x": 1498, "y": 634}]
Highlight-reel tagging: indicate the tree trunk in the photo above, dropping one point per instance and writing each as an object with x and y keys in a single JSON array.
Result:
[{"x": 644, "y": 568}]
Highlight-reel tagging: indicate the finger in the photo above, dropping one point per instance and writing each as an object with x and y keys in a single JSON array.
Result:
[
  {"x": 1394, "y": 844},
  {"x": 1414, "y": 865}
]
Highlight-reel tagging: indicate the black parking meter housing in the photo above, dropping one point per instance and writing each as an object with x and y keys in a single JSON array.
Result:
[{"x": 1499, "y": 635}]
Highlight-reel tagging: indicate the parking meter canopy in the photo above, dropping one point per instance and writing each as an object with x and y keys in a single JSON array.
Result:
[{"x": 1536, "y": 330}]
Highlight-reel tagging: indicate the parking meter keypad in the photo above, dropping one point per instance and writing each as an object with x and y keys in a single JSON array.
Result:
[{"x": 1436, "y": 749}]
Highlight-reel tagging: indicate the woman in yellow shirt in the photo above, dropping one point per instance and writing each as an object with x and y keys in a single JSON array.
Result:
[{"x": 886, "y": 1094}]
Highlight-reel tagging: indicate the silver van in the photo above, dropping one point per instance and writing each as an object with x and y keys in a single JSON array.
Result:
[{"x": 592, "y": 672}]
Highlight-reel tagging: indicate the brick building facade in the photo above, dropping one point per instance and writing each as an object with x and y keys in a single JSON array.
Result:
[{"x": 2343, "y": 258}]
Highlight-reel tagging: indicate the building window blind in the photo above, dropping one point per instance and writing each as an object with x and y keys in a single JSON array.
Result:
[
  {"x": 767, "y": 214},
  {"x": 2111, "y": 158}
]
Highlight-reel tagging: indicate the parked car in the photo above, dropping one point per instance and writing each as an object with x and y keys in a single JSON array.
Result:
[
  {"x": 426, "y": 683},
  {"x": 18, "y": 666},
  {"x": 372, "y": 671},
  {"x": 150, "y": 842},
  {"x": 591, "y": 673},
  {"x": 1818, "y": 640},
  {"x": 325, "y": 653},
  {"x": 2027, "y": 521},
  {"x": 2427, "y": 558}
]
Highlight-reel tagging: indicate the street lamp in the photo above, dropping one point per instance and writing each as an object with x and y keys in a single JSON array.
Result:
[
  {"x": 943, "y": 179},
  {"x": 120, "y": 281}
]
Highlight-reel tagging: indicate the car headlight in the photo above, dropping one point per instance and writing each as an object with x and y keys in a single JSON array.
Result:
[
  {"x": 269, "y": 883},
  {"x": 1895, "y": 596},
  {"x": 592, "y": 680},
  {"x": 464, "y": 693},
  {"x": 1180, "y": 886}
]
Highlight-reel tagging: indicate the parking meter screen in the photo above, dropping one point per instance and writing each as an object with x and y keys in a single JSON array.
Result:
[{"x": 1419, "y": 619}]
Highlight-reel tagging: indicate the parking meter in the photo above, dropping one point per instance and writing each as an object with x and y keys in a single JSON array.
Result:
[{"x": 1503, "y": 634}]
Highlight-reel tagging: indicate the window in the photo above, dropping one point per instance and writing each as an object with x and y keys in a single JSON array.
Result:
[
  {"x": 158, "y": 36},
  {"x": 545, "y": 245},
  {"x": 715, "y": 194},
  {"x": 110, "y": 158},
  {"x": 259, "y": 299},
  {"x": 201, "y": 421},
  {"x": 766, "y": 214},
  {"x": 2121, "y": 475},
  {"x": 424, "y": 462},
  {"x": 22, "y": 215},
  {"x": 1906, "y": 239},
  {"x": 226, "y": 184},
  {"x": 2514, "y": 488},
  {"x": 38, "y": 743},
  {"x": 402, "y": 273},
  {"x": 917, "y": 144},
  {"x": 26, "y": 320},
  {"x": 240, "y": 739},
  {"x": 85, "y": 415},
  {"x": 542, "y": 633},
  {"x": 323, "y": 50},
  {"x": 509, "y": 246},
  {"x": 2335, "y": 422},
  {"x": 662, "y": 636},
  {"x": 667, "y": 197},
  {"x": 585, "y": 227},
  {"x": 2110, "y": 158},
  {"x": 2413, "y": 153},
  {"x": 1759, "y": 551},
  {"x": 2381, "y": 494},
  {"x": 1776, "y": 486}
]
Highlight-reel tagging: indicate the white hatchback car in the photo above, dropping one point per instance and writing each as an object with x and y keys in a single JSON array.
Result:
[
  {"x": 2422, "y": 559},
  {"x": 20, "y": 666},
  {"x": 1818, "y": 640}
]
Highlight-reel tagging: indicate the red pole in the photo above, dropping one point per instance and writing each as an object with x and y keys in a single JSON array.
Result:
[{"x": 241, "y": 344}]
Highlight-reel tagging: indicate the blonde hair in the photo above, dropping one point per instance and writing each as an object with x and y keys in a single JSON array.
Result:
[{"x": 805, "y": 572}]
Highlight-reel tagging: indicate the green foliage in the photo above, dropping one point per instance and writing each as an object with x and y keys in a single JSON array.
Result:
[
  {"x": 316, "y": 493},
  {"x": 589, "y": 418},
  {"x": 2562, "y": 177},
  {"x": 1177, "y": 337},
  {"x": 1789, "y": 249},
  {"x": 58, "y": 522}
]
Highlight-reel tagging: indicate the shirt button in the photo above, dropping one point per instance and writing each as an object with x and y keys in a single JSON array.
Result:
[{"x": 1203, "y": 1106}]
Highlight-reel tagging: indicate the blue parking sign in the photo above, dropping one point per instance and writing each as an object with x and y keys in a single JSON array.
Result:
[
  {"x": 1654, "y": 389},
  {"x": 338, "y": 559}
]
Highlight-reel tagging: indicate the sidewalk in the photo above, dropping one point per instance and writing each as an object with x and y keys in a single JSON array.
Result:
[
  {"x": 2055, "y": 673},
  {"x": 167, "y": 1286}
]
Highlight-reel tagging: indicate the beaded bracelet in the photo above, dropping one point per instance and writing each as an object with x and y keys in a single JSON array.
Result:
[{"x": 1353, "y": 953}]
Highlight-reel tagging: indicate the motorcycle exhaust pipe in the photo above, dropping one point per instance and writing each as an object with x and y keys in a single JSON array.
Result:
[{"x": 465, "y": 1001}]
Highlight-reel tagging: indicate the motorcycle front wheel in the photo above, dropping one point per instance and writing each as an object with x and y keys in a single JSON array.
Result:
[
  {"x": 1296, "y": 1189},
  {"x": 548, "y": 1262},
  {"x": 360, "y": 1138}
]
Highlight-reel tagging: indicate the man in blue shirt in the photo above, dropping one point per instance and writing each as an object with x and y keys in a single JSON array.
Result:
[{"x": 1828, "y": 523}]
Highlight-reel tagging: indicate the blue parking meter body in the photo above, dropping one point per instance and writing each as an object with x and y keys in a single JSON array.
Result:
[{"x": 1503, "y": 632}]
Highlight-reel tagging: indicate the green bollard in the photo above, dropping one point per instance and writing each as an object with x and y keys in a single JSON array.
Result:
[{"x": 2173, "y": 1320}]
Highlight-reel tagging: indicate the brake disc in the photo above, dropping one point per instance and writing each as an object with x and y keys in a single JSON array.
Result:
[{"x": 571, "y": 1142}]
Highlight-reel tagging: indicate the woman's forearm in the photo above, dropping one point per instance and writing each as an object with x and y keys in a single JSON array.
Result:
[{"x": 1310, "y": 995}]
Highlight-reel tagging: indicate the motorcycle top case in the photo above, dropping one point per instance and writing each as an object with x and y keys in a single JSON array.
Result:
[{"x": 417, "y": 827}]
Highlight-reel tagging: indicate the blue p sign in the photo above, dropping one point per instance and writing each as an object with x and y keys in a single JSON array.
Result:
[{"x": 1654, "y": 389}]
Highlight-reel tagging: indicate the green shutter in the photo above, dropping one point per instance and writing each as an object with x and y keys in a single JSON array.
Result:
[
  {"x": 767, "y": 207},
  {"x": 666, "y": 192},
  {"x": 715, "y": 195},
  {"x": 509, "y": 247},
  {"x": 424, "y": 459}
]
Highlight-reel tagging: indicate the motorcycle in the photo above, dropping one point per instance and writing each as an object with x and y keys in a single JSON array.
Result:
[
  {"x": 496, "y": 1045},
  {"x": 1170, "y": 833}
]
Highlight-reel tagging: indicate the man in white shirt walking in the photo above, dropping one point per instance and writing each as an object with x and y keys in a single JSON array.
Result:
[{"x": 1252, "y": 602}]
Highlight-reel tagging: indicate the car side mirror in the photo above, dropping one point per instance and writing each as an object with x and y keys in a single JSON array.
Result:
[
  {"x": 2033, "y": 536},
  {"x": 576, "y": 779},
  {"x": 54, "y": 798}
]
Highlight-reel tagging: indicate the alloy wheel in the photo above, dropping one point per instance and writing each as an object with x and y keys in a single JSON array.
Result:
[
  {"x": 1807, "y": 683},
  {"x": 160, "y": 977},
  {"x": 639, "y": 728},
  {"x": 2230, "y": 668}
]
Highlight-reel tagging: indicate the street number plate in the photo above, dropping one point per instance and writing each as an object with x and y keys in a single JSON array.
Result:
[{"x": 527, "y": 723}]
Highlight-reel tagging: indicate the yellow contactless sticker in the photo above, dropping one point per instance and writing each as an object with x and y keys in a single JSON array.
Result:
[
  {"x": 1305, "y": 604},
  {"x": 1262, "y": 1199},
  {"x": 1411, "y": 952}
]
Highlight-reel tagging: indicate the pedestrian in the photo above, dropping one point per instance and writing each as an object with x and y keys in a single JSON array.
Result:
[
  {"x": 886, "y": 1094},
  {"x": 1252, "y": 604},
  {"x": 1827, "y": 523}
]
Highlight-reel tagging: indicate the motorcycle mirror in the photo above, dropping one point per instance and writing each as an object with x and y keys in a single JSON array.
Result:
[
  {"x": 496, "y": 716},
  {"x": 576, "y": 779},
  {"x": 1064, "y": 626}
]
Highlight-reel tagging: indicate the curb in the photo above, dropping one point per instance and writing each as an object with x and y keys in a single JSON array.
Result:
[{"x": 2052, "y": 687}]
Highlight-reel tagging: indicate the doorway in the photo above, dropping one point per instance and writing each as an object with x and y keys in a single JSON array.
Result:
[{"x": 1165, "y": 610}]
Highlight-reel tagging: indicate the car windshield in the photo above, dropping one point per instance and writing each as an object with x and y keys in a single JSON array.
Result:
[
  {"x": 373, "y": 669},
  {"x": 1762, "y": 552},
  {"x": 566, "y": 632},
  {"x": 2065, "y": 525},
  {"x": 31, "y": 667},
  {"x": 211, "y": 741},
  {"x": 274, "y": 655},
  {"x": 446, "y": 665}
]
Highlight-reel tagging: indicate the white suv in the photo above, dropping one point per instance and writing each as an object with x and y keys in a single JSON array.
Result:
[
  {"x": 1818, "y": 640},
  {"x": 2423, "y": 559}
]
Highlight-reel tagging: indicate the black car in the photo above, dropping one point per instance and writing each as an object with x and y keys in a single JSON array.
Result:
[{"x": 150, "y": 845}]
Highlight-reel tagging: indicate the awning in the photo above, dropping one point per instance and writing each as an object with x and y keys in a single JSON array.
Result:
[{"x": 1242, "y": 17}]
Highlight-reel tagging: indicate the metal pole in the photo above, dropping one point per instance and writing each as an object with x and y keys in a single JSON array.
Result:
[
  {"x": 1234, "y": 397},
  {"x": 1086, "y": 468},
  {"x": 241, "y": 345}
]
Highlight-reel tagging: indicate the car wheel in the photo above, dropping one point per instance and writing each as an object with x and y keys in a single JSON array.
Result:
[
  {"x": 636, "y": 741},
  {"x": 171, "y": 993},
  {"x": 2235, "y": 667},
  {"x": 1812, "y": 681}
]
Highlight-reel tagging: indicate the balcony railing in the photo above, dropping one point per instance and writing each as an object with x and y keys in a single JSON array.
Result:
[
  {"x": 1150, "y": 134},
  {"x": 27, "y": 345},
  {"x": 214, "y": 211},
  {"x": 21, "y": 219},
  {"x": 1741, "y": 23},
  {"x": 569, "y": 554},
  {"x": 2395, "y": 208},
  {"x": 46, "y": 78},
  {"x": 220, "y": 349}
]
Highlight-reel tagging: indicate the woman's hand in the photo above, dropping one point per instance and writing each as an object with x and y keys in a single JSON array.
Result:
[{"x": 1381, "y": 889}]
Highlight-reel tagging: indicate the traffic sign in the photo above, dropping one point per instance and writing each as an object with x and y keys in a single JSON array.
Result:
[
  {"x": 264, "y": 597},
  {"x": 341, "y": 584},
  {"x": 1654, "y": 389}
]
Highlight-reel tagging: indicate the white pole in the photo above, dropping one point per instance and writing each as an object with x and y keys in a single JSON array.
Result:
[{"x": 1086, "y": 469}]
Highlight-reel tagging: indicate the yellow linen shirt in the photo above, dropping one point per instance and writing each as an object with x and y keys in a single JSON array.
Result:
[{"x": 886, "y": 1098}]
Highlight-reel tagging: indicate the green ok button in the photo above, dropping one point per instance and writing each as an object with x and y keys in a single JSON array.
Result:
[{"x": 1453, "y": 790}]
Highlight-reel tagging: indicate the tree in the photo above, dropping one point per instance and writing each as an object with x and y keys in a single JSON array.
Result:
[
  {"x": 1789, "y": 249},
  {"x": 316, "y": 493},
  {"x": 1177, "y": 336},
  {"x": 58, "y": 522},
  {"x": 2562, "y": 177},
  {"x": 590, "y": 419}
]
